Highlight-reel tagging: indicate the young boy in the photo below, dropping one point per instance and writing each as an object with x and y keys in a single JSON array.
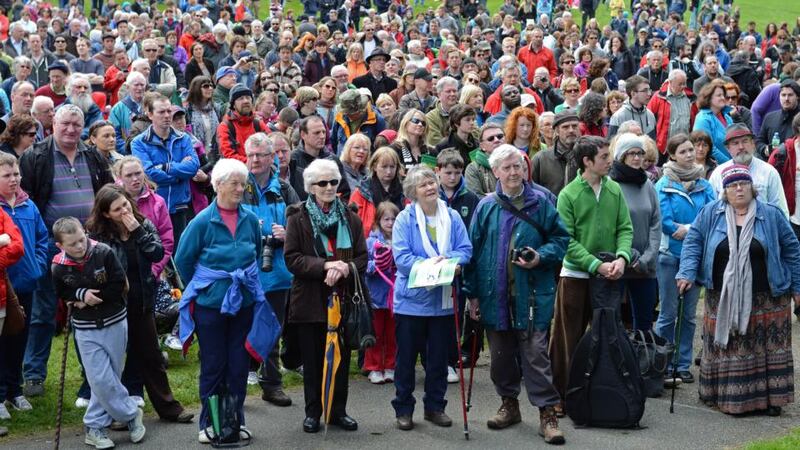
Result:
[
  {"x": 88, "y": 276},
  {"x": 453, "y": 190}
]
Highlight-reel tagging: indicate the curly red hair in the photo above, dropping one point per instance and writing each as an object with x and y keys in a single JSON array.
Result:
[{"x": 511, "y": 128}]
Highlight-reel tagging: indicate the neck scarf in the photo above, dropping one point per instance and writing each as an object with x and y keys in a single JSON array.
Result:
[
  {"x": 443, "y": 225},
  {"x": 623, "y": 173},
  {"x": 323, "y": 223},
  {"x": 687, "y": 177},
  {"x": 736, "y": 297},
  {"x": 379, "y": 194}
]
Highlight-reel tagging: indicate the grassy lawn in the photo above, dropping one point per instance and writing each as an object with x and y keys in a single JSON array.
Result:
[{"x": 788, "y": 442}]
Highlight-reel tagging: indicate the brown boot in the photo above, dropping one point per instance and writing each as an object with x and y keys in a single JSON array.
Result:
[
  {"x": 548, "y": 426},
  {"x": 507, "y": 415}
]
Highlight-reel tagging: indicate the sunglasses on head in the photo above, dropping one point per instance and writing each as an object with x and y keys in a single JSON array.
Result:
[{"x": 324, "y": 183}]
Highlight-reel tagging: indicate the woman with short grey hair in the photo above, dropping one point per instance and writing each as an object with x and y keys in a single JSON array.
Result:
[{"x": 425, "y": 230}]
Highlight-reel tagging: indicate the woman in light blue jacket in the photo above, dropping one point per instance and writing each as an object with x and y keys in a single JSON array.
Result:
[
  {"x": 714, "y": 117},
  {"x": 424, "y": 324}
]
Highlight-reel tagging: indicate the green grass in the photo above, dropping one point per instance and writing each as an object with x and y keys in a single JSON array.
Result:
[{"x": 788, "y": 442}]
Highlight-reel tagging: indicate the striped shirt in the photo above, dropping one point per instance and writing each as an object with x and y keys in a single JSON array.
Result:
[
  {"x": 73, "y": 194},
  {"x": 679, "y": 114}
]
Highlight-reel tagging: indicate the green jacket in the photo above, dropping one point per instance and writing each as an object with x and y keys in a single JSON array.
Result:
[{"x": 595, "y": 226}]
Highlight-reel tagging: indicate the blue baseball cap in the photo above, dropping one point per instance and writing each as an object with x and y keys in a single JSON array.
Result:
[{"x": 225, "y": 70}]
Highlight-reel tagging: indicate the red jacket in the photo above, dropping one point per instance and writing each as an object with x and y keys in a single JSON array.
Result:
[
  {"x": 243, "y": 126},
  {"x": 494, "y": 104},
  {"x": 534, "y": 60},
  {"x": 10, "y": 253},
  {"x": 784, "y": 161},
  {"x": 660, "y": 107},
  {"x": 112, "y": 84},
  {"x": 593, "y": 129}
]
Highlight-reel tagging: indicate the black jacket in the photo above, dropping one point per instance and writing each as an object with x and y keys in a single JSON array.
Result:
[
  {"x": 103, "y": 271},
  {"x": 745, "y": 76},
  {"x": 623, "y": 65},
  {"x": 149, "y": 251},
  {"x": 780, "y": 122},
  {"x": 655, "y": 79},
  {"x": 193, "y": 71},
  {"x": 550, "y": 97},
  {"x": 464, "y": 148},
  {"x": 299, "y": 160},
  {"x": 383, "y": 86},
  {"x": 37, "y": 167}
]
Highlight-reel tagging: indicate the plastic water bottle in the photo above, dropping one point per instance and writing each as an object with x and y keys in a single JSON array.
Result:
[{"x": 776, "y": 141}]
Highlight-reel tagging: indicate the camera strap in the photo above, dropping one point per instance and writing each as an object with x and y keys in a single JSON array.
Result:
[{"x": 520, "y": 215}]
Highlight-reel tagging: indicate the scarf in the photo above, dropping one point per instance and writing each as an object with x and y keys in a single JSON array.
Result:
[
  {"x": 379, "y": 194},
  {"x": 443, "y": 226},
  {"x": 687, "y": 177},
  {"x": 623, "y": 173},
  {"x": 736, "y": 297},
  {"x": 323, "y": 223}
]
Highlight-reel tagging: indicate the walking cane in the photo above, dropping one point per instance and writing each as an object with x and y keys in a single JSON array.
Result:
[
  {"x": 460, "y": 362},
  {"x": 677, "y": 353},
  {"x": 60, "y": 407},
  {"x": 471, "y": 360}
]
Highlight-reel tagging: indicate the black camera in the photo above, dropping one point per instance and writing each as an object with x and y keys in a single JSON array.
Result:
[
  {"x": 527, "y": 254},
  {"x": 266, "y": 254}
]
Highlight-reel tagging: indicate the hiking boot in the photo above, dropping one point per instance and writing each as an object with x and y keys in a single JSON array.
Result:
[
  {"x": 439, "y": 418},
  {"x": 559, "y": 409},
  {"x": 98, "y": 438},
  {"x": 136, "y": 426},
  {"x": 548, "y": 426},
  {"x": 277, "y": 397},
  {"x": 507, "y": 415},
  {"x": 33, "y": 388}
]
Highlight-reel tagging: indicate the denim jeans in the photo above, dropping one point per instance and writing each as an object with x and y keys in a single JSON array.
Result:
[
  {"x": 42, "y": 326},
  {"x": 665, "y": 325}
]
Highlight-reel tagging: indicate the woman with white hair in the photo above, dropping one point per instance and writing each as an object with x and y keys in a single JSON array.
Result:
[
  {"x": 425, "y": 229},
  {"x": 324, "y": 244},
  {"x": 222, "y": 246}
]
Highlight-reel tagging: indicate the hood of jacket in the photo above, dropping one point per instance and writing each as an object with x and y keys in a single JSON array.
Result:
[{"x": 21, "y": 197}]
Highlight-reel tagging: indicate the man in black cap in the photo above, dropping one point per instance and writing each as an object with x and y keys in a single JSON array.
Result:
[
  {"x": 238, "y": 124},
  {"x": 376, "y": 79},
  {"x": 420, "y": 98},
  {"x": 56, "y": 88},
  {"x": 779, "y": 122},
  {"x": 554, "y": 168}
]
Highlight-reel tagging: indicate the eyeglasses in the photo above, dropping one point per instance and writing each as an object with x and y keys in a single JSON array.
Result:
[
  {"x": 418, "y": 121},
  {"x": 637, "y": 154},
  {"x": 568, "y": 62},
  {"x": 61, "y": 41},
  {"x": 658, "y": 47},
  {"x": 207, "y": 86},
  {"x": 472, "y": 80},
  {"x": 150, "y": 50},
  {"x": 328, "y": 86},
  {"x": 260, "y": 155},
  {"x": 738, "y": 184},
  {"x": 324, "y": 183},
  {"x": 642, "y": 91},
  {"x": 367, "y": 30},
  {"x": 495, "y": 137},
  {"x": 732, "y": 97},
  {"x": 273, "y": 90},
  {"x": 30, "y": 133},
  {"x": 571, "y": 91},
  {"x": 162, "y": 46}
]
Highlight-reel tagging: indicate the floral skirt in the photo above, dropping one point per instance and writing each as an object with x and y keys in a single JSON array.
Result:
[{"x": 755, "y": 370}]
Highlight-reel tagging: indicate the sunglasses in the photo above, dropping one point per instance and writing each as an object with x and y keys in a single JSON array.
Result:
[
  {"x": 418, "y": 121},
  {"x": 472, "y": 80},
  {"x": 324, "y": 183},
  {"x": 207, "y": 86},
  {"x": 732, "y": 97},
  {"x": 273, "y": 90},
  {"x": 495, "y": 137},
  {"x": 30, "y": 133},
  {"x": 568, "y": 62},
  {"x": 571, "y": 91}
]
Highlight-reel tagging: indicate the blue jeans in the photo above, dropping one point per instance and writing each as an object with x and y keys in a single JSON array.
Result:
[
  {"x": 415, "y": 335},
  {"x": 642, "y": 295},
  {"x": 42, "y": 326},
  {"x": 665, "y": 325}
]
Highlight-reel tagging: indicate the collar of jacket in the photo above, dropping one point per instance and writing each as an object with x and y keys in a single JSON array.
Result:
[
  {"x": 21, "y": 197},
  {"x": 460, "y": 190},
  {"x": 531, "y": 196},
  {"x": 345, "y": 122},
  {"x": 149, "y": 135},
  {"x": 585, "y": 183},
  {"x": 722, "y": 204}
]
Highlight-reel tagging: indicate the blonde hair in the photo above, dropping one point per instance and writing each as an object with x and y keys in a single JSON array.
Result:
[
  {"x": 468, "y": 91},
  {"x": 402, "y": 134},
  {"x": 351, "y": 141},
  {"x": 384, "y": 98}
]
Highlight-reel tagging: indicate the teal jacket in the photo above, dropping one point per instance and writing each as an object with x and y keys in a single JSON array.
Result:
[
  {"x": 208, "y": 242},
  {"x": 492, "y": 232}
]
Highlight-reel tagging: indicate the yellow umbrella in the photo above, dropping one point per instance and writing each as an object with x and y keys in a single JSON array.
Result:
[{"x": 332, "y": 356}]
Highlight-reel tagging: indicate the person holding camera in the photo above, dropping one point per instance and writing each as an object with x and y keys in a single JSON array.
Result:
[
  {"x": 517, "y": 232},
  {"x": 267, "y": 196}
]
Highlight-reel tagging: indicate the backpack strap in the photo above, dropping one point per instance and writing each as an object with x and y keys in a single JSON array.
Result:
[{"x": 520, "y": 215}]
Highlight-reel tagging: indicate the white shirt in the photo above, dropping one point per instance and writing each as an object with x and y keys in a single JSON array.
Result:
[{"x": 766, "y": 180}]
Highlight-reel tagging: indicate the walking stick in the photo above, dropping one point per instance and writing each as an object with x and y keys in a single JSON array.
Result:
[
  {"x": 460, "y": 362},
  {"x": 60, "y": 407},
  {"x": 471, "y": 360},
  {"x": 677, "y": 352}
]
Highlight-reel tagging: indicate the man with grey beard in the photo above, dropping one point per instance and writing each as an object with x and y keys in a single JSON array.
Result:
[
  {"x": 741, "y": 144},
  {"x": 79, "y": 93}
]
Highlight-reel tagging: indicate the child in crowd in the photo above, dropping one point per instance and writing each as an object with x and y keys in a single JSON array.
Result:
[
  {"x": 89, "y": 277},
  {"x": 379, "y": 358}
]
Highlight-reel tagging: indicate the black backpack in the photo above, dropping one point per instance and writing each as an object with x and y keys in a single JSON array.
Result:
[{"x": 605, "y": 387}]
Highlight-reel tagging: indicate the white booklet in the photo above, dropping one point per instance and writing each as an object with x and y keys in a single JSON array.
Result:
[{"x": 429, "y": 274}]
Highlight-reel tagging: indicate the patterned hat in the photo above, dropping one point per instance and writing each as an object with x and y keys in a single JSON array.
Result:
[{"x": 734, "y": 173}]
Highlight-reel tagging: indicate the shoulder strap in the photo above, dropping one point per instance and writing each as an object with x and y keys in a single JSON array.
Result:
[
  {"x": 520, "y": 215},
  {"x": 232, "y": 135}
]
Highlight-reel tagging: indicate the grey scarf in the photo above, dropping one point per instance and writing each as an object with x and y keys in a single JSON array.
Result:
[
  {"x": 736, "y": 297},
  {"x": 682, "y": 175}
]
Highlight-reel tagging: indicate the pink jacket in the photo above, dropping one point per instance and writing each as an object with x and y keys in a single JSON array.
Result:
[{"x": 153, "y": 206}]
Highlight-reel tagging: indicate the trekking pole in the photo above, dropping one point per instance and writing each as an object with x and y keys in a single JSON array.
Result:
[
  {"x": 60, "y": 407},
  {"x": 472, "y": 361},
  {"x": 460, "y": 362},
  {"x": 676, "y": 356}
]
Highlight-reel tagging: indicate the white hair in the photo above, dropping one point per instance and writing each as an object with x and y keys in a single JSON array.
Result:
[
  {"x": 444, "y": 82},
  {"x": 337, "y": 69},
  {"x": 654, "y": 54},
  {"x": 22, "y": 61},
  {"x": 133, "y": 76},
  {"x": 414, "y": 177},
  {"x": 68, "y": 110},
  {"x": 41, "y": 100},
  {"x": 139, "y": 62},
  {"x": 225, "y": 169},
  {"x": 503, "y": 152},
  {"x": 414, "y": 43},
  {"x": 673, "y": 75},
  {"x": 76, "y": 77},
  {"x": 257, "y": 140},
  {"x": 219, "y": 28},
  {"x": 316, "y": 170}
]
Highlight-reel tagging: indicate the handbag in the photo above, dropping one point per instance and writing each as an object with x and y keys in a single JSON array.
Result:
[
  {"x": 654, "y": 354},
  {"x": 359, "y": 332},
  {"x": 15, "y": 315}
]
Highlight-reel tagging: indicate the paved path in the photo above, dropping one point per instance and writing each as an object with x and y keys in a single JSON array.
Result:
[{"x": 693, "y": 426}]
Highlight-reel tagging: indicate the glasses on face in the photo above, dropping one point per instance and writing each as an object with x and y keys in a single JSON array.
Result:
[
  {"x": 658, "y": 47},
  {"x": 207, "y": 86},
  {"x": 367, "y": 30},
  {"x": 568, "y": 62},
  {"x": 324, "y": 183},
  {"x": 472, "y": 80},
  {"x": 738, "y": 184},
  {"x": 260, "y": 155},
  {"x": 30, "y": 133},
  {"x": 571, "y": 91},
  {"x": 417, "y": 121},
  {"x": 732, "y": 97},
  {"x": 61, "y": 41},
  {"x": 272, "y": 90},
  {"x": 635, "y": 154},
  {"x": 150, "y": 50},
  {"x": 495, "y": 137},
  {"x": 162, "y": 46}
]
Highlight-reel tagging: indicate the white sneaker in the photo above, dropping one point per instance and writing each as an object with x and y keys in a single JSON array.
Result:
[
  {"x": 4, "y": 414},
  {"x": 21, "y": 403},
  {"x": 203, "y": 438},
  {"x": 138, "y": 400},
  {"x": 245, "y": 434},
  {"x": 452, "y": 376},
  {"x": 173, "y": 343},
  {"x": 98, "y": 438},
  {"x": 81, "y": 403},
  {"x": 376, "y": 377},
  {"x": 252, "y": 378},
  {"x": 388, "y": 376},
  {"x": 136, "y": 427}
]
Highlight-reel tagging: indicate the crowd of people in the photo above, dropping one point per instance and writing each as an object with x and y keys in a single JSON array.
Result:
[{"x": 564, "y": 166}]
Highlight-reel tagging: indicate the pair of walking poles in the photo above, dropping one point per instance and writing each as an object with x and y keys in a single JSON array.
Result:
[{"x": 466, "y": 394}]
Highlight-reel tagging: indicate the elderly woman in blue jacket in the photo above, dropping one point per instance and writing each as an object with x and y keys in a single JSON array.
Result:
[
  {"x": 425, "y": 229},
  {"x": 514, "y": 302},
  {"x": 223, "y": 304},
  {"x": 714, "y": 117},
  {"x": 744, "y": 252},
  {"x": 682, "y": 193}
]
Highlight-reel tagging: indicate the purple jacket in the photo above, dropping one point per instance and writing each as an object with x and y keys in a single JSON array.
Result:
[
  {"x": 767, "y": 101},
  {"x": 153, "y": 206}
]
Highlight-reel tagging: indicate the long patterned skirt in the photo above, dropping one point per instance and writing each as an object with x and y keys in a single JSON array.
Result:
[{"x": 755, "y": 370}]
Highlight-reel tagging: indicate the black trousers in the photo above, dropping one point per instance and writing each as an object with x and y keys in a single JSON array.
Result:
[
  {"x": 180, "y": 218},
  {"x": 269, "y": 374},
  {"x": 311, "y": 342}
]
